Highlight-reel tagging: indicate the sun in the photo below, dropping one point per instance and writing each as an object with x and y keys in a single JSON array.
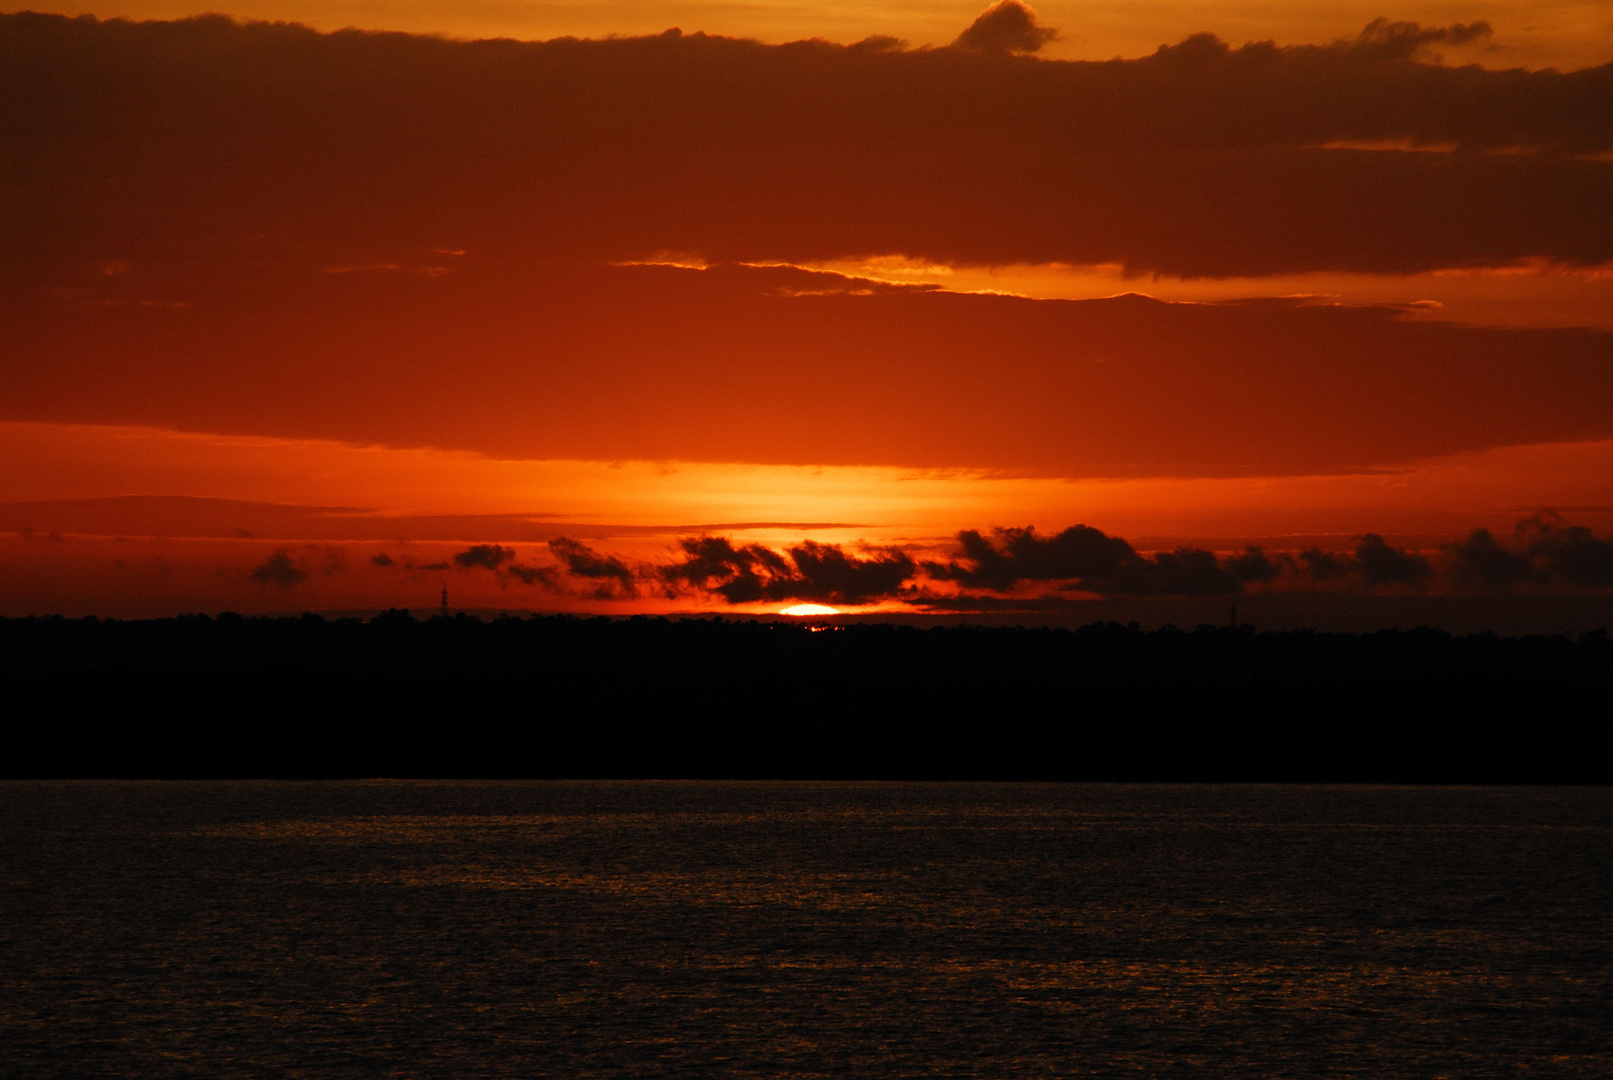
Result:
[{"x": 809, "y": 609}]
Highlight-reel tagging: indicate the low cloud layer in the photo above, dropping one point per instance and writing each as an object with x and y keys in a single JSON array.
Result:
[
  {"x": 810, "y": 571},
  {"x": 334, "y": 221},
  {"x": 1086, "y": 559},
  {"x": 1542, "y": 551},
  {"x": 1022, "y": 569},
  {"x": 353, "y": 150}
]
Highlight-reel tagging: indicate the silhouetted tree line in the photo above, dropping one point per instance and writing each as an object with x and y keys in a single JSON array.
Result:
[
  {"x": 397, "y": 642},
  {"x": 568, "y": 696}
]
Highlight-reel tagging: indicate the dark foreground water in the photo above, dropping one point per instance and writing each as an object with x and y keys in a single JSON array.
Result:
[{"x": 657, "y": 929}]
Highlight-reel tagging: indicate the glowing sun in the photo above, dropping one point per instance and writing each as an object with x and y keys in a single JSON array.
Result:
[{"x": 809, "y": 609}]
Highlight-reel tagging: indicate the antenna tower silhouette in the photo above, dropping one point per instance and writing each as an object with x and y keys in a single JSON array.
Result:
[{"x": 445, "y": 601}]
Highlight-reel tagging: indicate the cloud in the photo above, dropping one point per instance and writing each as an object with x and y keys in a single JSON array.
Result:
[
  {"x": 1020, "y": 569},
  {"x": 1088, "y": 560},
  {"x": 545, "y": 161},
  {"x": 1007, "y": 26},
  {"x": 809, "y": 571},
  {"x": 1324, "y": 565},
  {"x": 1571, "y": 553},
  {"x": 1190, "y": 572},
  {"x": 1381, "y": 564},
  {"x": 614, "y": 576},
  {"x": 502, "y": 562},
  {"x": 1001, "y": 571},
  {"x": 279, "y": 569},
  {"x": 1254, "y": 565},
  {"x": 1479, "y": 560},
  {"x": 546, "y": 576},
  {"x": 1383, "y": 40},
  {"x": 1083, "y": 558},
  {"x": 489, "y": 556},
  {"x": 1079, "y": 552},
  {"x": 1201, "y": 159},
  {"x": 1375, "y": 562},
  {"x": 1545, "y": 551},
  {"x": 824, "y": 572},
  {"x": 381, "y": 560},
  {"x": 740, "y": 575}
]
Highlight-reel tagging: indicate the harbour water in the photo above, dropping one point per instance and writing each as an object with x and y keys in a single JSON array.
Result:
[{"x": 465, "y": 929}]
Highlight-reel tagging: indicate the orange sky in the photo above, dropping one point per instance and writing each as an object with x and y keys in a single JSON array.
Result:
[
  {"x": 300, "y": 320},
  {"x": 1564, "y": 34}
]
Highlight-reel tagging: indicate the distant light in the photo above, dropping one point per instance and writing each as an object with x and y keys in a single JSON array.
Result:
[{"x": 809, "y": 609}]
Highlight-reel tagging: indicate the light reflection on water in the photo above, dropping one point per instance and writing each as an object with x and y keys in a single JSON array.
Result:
[{"x": 589, "y": 929}]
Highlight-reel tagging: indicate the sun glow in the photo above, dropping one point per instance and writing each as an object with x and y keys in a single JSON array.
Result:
[{"x": 810, "y": 609}]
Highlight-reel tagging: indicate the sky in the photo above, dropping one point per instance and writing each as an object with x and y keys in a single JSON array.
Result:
[{"x": 909, "y": 307}]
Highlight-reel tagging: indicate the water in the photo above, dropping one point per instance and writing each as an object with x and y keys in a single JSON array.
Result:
[{"x": 708, "y": 930}]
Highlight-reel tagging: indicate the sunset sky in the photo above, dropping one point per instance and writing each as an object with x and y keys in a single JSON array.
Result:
[{"x": 898, "y": 307}]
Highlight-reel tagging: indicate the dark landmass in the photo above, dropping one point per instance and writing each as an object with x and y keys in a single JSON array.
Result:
[
  {"x": 648, "y": 697},
  {"x": 1517, "y": 614}
]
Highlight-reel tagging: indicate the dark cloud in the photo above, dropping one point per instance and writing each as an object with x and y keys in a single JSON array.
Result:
[
  {"x": 1479, "y": 560},
  {"x": 1381, "y": 42},
  {"x": 825, "y": 573},
  {"x": 1018, "y": 555},
  {"x": 1381, "y": 564},
  {"x": 363, "y": 150},
  {"x": 1571, "y": 553},
  {"x": 1189, "y": 572},
  {"x": 614, "y": 576},
  {"x": 740, "y": 575},
  {"x": 1545, "y": 551},
  {"x": 1077, "y": 559},
  {"x": 546, "y": 576},
  {"x": 1088, "y": 560},
  {"x": 1007, "y": 26},
  {"x": 1384, "y": 40},
  {"x": 1375, "y": 562},
  {"x": 1324, "y": 565},
  {"x": 382, "y": 560},
  {"x": 490, "y": 556},
  {"x": 279, "y": 569},
  {"x": 1084, "y": 558},
  {"x": 502, "y": 561},
  {"x": 810, "y": 571},
  {"x": 1254, "y": 565},
  {"x": 992, "y": 572}
]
